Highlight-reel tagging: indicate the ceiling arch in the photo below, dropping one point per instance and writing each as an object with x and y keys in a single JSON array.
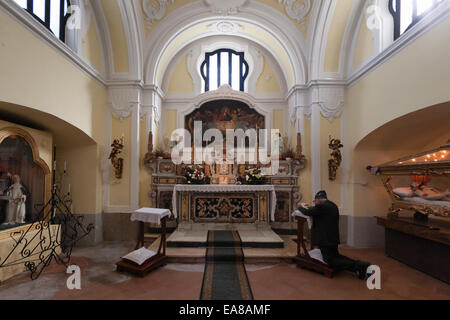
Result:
[{"x": 261, "y": 24}]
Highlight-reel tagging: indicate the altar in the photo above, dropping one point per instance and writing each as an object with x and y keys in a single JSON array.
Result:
[{"x": 224, "y": 203}]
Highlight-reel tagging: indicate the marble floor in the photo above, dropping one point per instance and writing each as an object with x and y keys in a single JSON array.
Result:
[{"x": 180, "y": 281}]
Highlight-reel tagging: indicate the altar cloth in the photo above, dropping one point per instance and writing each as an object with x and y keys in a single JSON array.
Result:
[
  {"x": 216, "y": 188},
  {"x": 297, "y": 213},
  {"x": 150, "y": 215}
]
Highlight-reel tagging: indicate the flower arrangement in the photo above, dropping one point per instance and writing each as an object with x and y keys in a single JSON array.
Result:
[
  {"x": 195, "y": 175},
  {"x": 253, "y": 176}
]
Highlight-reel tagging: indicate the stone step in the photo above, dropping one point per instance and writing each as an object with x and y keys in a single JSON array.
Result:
[{"x": 249, "y": 238}]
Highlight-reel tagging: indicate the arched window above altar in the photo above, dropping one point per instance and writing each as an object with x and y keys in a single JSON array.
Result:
[{"x": 224, "y": 66}]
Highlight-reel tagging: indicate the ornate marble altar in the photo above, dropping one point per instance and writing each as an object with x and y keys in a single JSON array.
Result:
[
  {"x": 224, "y": 203},
  {"x": 166, "y": 175}
]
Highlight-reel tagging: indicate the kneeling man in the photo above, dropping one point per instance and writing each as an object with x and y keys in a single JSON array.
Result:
[{"x": 325, "y": 235}]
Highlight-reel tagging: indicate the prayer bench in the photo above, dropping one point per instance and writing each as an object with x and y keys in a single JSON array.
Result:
[
  {"x": 303, "y": 258},
  {"x": 142, "y": 261}
]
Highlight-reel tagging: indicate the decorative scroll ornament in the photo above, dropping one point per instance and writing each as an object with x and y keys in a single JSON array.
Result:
[
  {"x": 152, "y": 12},
  {"x": 226, "y": 27},
  {"x": 298, "y": 12},
  {"x": 122, "y": 101},
  {"x": 225, "y": 7}
]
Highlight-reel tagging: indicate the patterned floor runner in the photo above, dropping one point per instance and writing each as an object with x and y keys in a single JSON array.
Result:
[{"x": 225, "y": 277}]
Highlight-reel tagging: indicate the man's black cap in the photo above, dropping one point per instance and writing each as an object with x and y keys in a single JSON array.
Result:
[{"x": 321, "y": 195}]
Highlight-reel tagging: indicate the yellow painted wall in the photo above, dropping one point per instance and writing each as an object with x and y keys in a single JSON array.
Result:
[
  {"x": 120, "y": 188},
  {"x": 170, "y": 125},
  {"x": 278, "y": 121},
  {"x": 364, "y": 45},
  {"x": 180, "y": 79},
  {"x": 83, "y": 175},
  {"x": 268, "y": 81},
  {"x": 336, "y": 34},
  {"x": 328, "y": 129},
  {"x": 91, "y": 48},
  {"x": 416, "y": 77},
  {"x": 117, "y": 34},
  {"x": 36, "y": 76}
]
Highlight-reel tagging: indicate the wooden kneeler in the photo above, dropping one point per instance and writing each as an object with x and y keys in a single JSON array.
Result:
[
  {"x": 151, "y": 264},
  {"x": 303, "y": 259}
]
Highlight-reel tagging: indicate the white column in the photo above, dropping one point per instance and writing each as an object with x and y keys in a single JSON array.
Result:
[
  {"x": 135, "y": 157},
  {"x": 316, "y": 175}
]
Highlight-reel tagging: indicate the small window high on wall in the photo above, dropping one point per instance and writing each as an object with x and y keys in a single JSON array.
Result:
[
  {"x": 407, "y": 13},
  {"x": 51, "y": 13},
  {"x": 224, "y": 66}
]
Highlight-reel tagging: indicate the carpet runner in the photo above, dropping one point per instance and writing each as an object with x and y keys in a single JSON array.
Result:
[{"x": 225, "y": 277}]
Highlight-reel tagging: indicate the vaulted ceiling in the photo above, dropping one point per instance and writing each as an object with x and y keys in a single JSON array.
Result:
[{"x": 310, "y": 39}]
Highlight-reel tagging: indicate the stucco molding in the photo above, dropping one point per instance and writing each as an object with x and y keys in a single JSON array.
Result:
[
  {"x": 154, "y": 13},
  {"x": 225, "y": 8},
  {"x": 298, "y": 12},
  {"x": 122, "y": 101}
]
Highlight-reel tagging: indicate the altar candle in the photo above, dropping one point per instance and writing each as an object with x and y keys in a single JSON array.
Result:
[
  {"x": 65, "y": 166},
  {"x": 69, "y": 188}
]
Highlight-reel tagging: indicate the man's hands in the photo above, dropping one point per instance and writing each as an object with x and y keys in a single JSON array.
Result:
[{"x": 304, "y": 205}]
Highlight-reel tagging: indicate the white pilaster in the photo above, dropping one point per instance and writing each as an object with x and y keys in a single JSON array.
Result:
[{"x": 316, "y": 174}]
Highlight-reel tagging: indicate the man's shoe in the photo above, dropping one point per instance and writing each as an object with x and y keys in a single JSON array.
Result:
[{"x": 362, "y": 269}]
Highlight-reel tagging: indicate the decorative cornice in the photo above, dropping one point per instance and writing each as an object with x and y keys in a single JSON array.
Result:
[
  {"x": 298, "y": 12},
  {"x": 152, "y": 13}
]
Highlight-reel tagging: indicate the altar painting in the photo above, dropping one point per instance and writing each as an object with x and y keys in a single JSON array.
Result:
[{"x": 224, "y": 115}]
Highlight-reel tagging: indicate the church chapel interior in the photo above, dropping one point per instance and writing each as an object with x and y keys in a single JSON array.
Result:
[{"x": 322, "y": 149}]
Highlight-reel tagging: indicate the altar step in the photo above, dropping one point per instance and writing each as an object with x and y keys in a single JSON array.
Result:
[{"x": 264, "y": 238}]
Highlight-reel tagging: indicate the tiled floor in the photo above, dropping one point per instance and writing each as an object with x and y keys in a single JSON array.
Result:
[{"x": 183, "y": 281}]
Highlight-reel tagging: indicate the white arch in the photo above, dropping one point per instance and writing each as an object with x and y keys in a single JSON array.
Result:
[{"x": 270, "y": 21}]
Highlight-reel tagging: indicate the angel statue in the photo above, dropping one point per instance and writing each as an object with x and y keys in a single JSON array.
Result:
[
  {"x": 16, "y": 209},
  {"x": 117, "y": 162},
  {"x": 336, "y": 158}
]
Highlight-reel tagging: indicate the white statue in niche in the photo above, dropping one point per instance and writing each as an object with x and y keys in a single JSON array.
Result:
[{"x": 16, "y": 209}]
